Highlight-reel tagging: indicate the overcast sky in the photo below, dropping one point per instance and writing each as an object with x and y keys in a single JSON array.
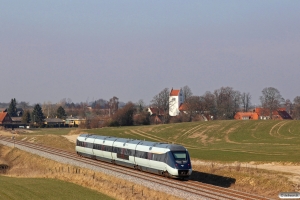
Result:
[{"x": 86, "y": 50}]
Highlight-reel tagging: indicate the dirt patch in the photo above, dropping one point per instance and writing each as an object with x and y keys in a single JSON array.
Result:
[
  {"x": 71, "y": 138},
  {"x": 6, "y": 133},
  {"x": 273, "y": 127},
  {"x": 14, "y": 132},
  {"x": 230, "y": 130},
  {"x": 203, "y": 137},
  {"x": 292, "y": 170},
  {"x": 286, "y": 168},
  {"x": 75, "y": 132},
  {"x": 192, "y": 130}
]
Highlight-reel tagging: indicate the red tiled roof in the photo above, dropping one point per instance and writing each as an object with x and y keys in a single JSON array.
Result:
[
  {"x": 266, "y": 112},
  {"x": 2, "y": 116},
  {"x": 182, "y": 107},
  {"x": 242, "y": 115},
  {"x": 277, "y": 114},
  {"x": 174, "y": 92}
]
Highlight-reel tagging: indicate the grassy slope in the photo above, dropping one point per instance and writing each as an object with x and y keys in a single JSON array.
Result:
[
  {"x": 37, "y": 188},
  {"x": 40, "y": 175},
  {"x": 224, "y": 140}
]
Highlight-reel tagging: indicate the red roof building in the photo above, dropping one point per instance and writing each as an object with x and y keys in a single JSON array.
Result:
[
  {"x": 5, "y": 118},
  {"x": 261, "y": 113},
  {"x": 246, "y": 116},
  {"x": 175, "y": 100},
  {"x": 174, "y": 92}
]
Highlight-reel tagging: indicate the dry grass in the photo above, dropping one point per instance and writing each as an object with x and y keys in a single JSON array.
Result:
[
  {"x": 75, "y": 131},
  {"x": 23, "y": 164},
  {"x": 248, "y": 179}
]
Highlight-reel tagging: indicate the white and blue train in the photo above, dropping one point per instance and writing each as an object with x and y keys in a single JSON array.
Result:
[{"x": 165, "y": 159}]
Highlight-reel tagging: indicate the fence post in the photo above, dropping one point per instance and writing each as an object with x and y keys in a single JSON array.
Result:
[{"x": 132, "y": 189}]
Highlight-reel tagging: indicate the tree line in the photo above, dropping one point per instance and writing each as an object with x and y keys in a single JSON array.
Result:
[
  {"x": 220, "y": 104},
  {"x": 36, "y": 116},
  {"x": 224, "y": 103}
]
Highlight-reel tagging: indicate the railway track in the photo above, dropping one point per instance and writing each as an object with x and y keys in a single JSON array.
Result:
[{"x": 196, "y": 190}]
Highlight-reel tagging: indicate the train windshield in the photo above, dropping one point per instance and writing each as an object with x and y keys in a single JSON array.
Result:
[{"x": 180, "y": 155}]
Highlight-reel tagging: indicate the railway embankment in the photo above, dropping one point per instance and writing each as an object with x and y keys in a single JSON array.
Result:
[{"x": 24, "y": 164}]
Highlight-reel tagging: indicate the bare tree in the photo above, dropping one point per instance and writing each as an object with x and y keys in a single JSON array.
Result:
[
  {"x": 288, "y": 105},
  {"x": 49, "y": 109},
  {"x": 140, "y": 105},
  {"x": 194, "y": 106},
  {"x": 245, "y": 99},
  {"x": 271, "y": 100},
  {"x": 63, "y": 102},
  {"x": 209, "y": 103},
  {"x": 187, "y": 92},
  {"x": 296, "y": 108},
  {"x": 113, "y": 104},
  {"x": 124, "y": 116},
  {"x": 227, "y": 102},
  {"x": 161, "y": 101},
  {"x": 236, "y": 102}
]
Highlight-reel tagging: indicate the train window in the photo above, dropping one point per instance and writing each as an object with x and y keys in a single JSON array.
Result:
[
  {"x": 125, "y": 152},
  {"x": 141, "y": 154},
  {"x": 159, "y": 157},
  {"x": 97, "y": 146},
  {"x": 89, "y": 145},
  {"x": 108, "y": 148},
  {"x": 179, "y": 155},
  {"x": 80, "y": 143}
]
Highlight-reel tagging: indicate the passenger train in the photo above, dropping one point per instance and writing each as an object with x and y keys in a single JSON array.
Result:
[{"x": 165, "y": 159}]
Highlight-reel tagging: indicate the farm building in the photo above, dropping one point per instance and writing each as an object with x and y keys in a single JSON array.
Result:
[{"x": 263, "y": 114}]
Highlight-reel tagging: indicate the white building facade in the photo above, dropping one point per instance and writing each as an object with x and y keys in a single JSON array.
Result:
[{"x": 175, "y": 100}]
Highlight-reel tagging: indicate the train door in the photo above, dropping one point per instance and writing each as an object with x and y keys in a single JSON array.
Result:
[
  {"x": 89, "y": 146},
  {"x": 150, "y": 159}
]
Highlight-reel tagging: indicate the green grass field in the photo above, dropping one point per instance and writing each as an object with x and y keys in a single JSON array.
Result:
[
  {"x": 228, "y": 140},
  {"x": 38, "y": 188}
]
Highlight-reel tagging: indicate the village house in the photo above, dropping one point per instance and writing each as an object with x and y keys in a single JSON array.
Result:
[
  {"x": 5, "y": 119},
  {"x": 155, "y": 115},
  {"x": 262, "y": 114},
  {"x": 74, "y": 121},
  {"x": 54, "y": 122}
]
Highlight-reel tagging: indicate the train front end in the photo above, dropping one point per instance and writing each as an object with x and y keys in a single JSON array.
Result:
[
  {"x": 179, "y": 162},
  {"x": 182, "y": 163}
]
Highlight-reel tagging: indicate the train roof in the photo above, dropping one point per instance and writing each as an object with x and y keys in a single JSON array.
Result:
[{"x": 172, "y": 147}]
